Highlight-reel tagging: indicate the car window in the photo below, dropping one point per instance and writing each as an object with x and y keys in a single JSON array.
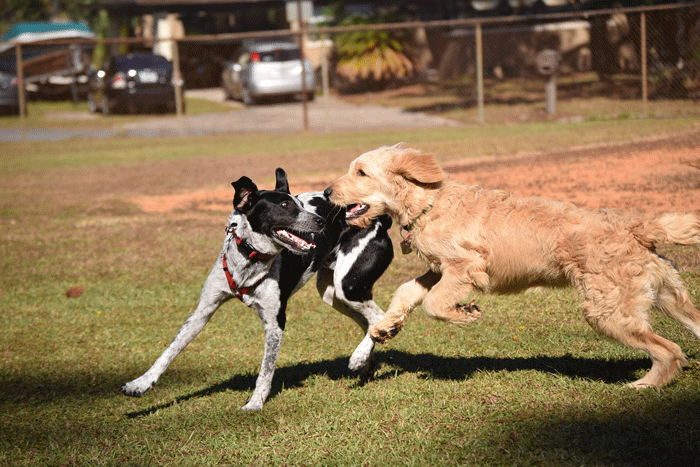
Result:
[
  {"x": 279, "y": 55},
  {"x": 139, "y": 62}
]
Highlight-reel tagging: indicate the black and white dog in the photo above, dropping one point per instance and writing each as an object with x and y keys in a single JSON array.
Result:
[{"x": 274, "y": 243}]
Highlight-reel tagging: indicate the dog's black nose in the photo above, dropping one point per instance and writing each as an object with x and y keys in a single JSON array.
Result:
[{"x": 328, "y": 192}]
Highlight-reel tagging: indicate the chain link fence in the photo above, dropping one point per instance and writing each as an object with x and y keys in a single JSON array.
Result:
[
  {"x": 615, "y": 63},
  {"x": 598, "y": 64}
]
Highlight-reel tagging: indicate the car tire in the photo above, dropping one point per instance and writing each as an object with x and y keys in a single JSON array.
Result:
[
  {"x": 105, "y": 106},
  {"x": 247, "y": 97},
  {"x": 92, "y": 105}
]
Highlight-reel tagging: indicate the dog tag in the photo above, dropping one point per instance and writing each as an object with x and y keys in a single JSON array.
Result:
[{"x": 406, "y": 247}]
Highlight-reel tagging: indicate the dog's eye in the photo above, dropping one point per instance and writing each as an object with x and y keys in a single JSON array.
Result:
[
  {"x": 285, "y": 204},
  {"x": 361, "y": 173}
]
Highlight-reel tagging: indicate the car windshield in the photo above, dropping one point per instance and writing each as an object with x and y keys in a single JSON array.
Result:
[
  {"x": 278, "y": 55},
  {"x": 139, "y": 62}
]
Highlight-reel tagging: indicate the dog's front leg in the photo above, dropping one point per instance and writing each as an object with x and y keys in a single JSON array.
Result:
[
  {"x": 214, "y": 293},
  {"x": 341, "y": 295},
  {"x": 407, "y": 297},
  {"x": 442, "y": 300},
  {"x": 273, "y": 342}
]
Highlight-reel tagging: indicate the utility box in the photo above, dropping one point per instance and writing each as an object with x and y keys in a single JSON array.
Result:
[{"x": 548, "y": 65}]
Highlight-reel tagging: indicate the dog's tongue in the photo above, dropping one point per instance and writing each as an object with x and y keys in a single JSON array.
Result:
[{"x": 297, "y": 241}]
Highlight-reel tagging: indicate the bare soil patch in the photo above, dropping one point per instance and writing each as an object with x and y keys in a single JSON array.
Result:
[{"x": 651, "y": 176}]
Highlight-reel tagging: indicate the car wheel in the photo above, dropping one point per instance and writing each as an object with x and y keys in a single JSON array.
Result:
[
  {"x": 248, "y": 99},
  {"x": 92, "y": 105},
  {"x": 105, "y": 106}
]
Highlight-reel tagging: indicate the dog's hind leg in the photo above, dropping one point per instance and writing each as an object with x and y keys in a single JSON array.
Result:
[
  {"x": 674, "y": 300},
  {"x": 214, "y": 293},
  {"x": 620, "y": 313}
]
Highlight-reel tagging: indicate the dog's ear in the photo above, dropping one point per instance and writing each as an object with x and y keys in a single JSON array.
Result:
[
  {"x": 282, "y": 184},
  {"x": 244, "y": 188},
  {"x": 417, "y": 167}
]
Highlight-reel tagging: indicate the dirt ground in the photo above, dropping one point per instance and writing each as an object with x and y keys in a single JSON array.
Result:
[{"x": 650, "y": 176}]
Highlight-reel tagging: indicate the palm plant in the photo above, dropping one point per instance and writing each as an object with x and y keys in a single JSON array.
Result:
[{"x": 373, "y": 58}]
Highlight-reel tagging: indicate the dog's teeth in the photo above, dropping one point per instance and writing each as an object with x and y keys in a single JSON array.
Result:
[
  {"x": 355, "y": 208},
  {"x": 298, "y": 242}
]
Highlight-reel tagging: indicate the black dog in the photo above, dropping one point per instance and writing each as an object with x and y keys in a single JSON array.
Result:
[{"x": 274, "y": 243}]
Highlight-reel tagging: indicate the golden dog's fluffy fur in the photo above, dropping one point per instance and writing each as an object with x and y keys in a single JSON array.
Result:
[{"x": 490, "y": 240}]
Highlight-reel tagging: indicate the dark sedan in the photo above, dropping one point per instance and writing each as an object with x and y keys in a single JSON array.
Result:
[
  {"x": 132, "y": 82},
  {"x": 9, "y": 92}
]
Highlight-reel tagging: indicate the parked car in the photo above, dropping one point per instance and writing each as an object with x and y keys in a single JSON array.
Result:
[
  {"x": 9, "y": 92},
  {"x": 266, "y": 69},
  {"x": 132, "y": 82}
]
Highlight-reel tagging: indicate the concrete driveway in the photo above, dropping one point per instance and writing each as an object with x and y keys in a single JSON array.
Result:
[{"x": 324, "y": 115}]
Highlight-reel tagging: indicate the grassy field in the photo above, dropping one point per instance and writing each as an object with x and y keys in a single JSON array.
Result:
[{"x": 528, "y": 384}]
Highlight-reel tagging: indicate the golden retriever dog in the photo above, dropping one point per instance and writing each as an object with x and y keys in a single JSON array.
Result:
[{"x": 489, "y": 240}]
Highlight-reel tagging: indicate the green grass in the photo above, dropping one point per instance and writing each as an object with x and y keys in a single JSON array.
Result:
[
  {"x": 447, "y": 143},
  {"x": 529, "y": 384},
  {"x": 65, "y": 114}
]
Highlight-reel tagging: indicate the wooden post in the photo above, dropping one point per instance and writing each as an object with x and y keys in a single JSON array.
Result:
[
  {"x": 304, "y": 95},
  {"x": 643, "y": 48},
  {"x": 20, "y": 83},
  {"x": 324, "y": 80},
  {"x": 479, "y": 73},
  {"x": 177, "y": 78}
]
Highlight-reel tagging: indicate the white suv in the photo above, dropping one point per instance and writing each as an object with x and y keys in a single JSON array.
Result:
[{"x": 261, "y": 69}]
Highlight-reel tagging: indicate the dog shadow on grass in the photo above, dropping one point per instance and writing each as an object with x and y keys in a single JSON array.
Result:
[{"x": 391, "y": 363}]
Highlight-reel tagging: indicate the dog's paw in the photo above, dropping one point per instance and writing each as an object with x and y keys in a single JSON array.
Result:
[
  {"x": 362, "y": 355},
  {"x": 381, "y": 334},
  {"x": 251, "y": 407},
  {"x": 364, "y": 369},
  {"x": 135, "y": 388},
  {"x": 468, "y": 313}
]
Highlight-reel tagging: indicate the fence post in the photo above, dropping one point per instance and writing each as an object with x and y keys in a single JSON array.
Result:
[
  {"x": 324, "y": 80},
  {"x": 20, "y": 83},
  {"x": 304, "y": 95},
  {"x": 643, "y": 48},
  {"x": 177, "y": 78},
  {"x": 479, "y": 73}
]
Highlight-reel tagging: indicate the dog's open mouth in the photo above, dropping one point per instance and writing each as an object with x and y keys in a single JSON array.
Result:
[
  {"x": 294, "y": 240},
  {"x": 356, "y": 210}
]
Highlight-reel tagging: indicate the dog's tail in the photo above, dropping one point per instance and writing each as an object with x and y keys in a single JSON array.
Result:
[{"x": 676, "y": 228}]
